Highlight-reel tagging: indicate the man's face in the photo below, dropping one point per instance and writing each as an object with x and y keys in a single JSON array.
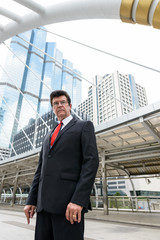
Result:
[{"x": 61, "y": 107}]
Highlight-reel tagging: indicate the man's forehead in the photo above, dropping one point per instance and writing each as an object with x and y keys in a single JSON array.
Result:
[{"x": 59, "y": 98}]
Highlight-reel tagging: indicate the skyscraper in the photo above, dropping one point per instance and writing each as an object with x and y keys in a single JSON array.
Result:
[
  {"x": 46, "y": 74},
  {"x": 101, "y": 105}
]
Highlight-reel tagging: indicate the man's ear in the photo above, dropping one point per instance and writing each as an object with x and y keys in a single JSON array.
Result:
[{"x": 70, "y": 107}]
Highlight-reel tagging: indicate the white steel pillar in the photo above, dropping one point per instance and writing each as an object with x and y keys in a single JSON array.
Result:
[
  {"x": 2, "y": 183},
  {"x": 104, "y": 182},
  {"x": 15, "y": 188}
]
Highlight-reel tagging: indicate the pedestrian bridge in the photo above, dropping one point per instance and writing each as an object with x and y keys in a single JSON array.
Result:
[{"x": 20, "y": 15}]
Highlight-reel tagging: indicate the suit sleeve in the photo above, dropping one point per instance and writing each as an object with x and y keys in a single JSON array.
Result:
[
  {"x": 89, "y": 168},
  {"x": 32, "y": 197}
]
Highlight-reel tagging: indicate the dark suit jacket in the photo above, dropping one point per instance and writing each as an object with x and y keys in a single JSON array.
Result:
[{"x": 66, "y": 172}]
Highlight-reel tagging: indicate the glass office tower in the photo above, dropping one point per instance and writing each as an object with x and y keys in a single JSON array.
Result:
[
  {"x": 9, "y": 82},
  {"x": 51, "y": 76},
  {"x": 46, "y": 74}
]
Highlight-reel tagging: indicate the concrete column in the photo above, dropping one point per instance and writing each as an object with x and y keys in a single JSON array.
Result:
[
  {"x": 15, "y": 188},
  {"x": 96, "y": 194},
  {"x": 2, "y": 183},
  {"x": 134, "y": 192},
  {"x": 104, "y": 182}
]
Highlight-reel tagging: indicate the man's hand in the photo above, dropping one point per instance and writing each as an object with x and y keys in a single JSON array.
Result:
[
  {"x": 29, "y": 212},
  {"x": 73, "y": 213}
]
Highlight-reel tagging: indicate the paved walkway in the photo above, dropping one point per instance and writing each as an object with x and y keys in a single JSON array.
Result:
[
  {"x": 121, "y": 226},
  {"x": 142, "y": 219}
]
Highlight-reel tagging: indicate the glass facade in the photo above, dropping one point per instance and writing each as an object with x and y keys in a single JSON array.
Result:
[
  {"x": 15, "y": 109},
  {"x": 134, "y": 95},
  {"x": 67, "y": 78},
  {"x": 36, "y": 131}
]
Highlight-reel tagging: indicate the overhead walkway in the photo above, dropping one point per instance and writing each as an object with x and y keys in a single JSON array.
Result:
[{"x": 130, "y": 144}]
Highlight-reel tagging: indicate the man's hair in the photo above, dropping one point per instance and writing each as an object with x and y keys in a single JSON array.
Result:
[{"x": 58, "y": 93}]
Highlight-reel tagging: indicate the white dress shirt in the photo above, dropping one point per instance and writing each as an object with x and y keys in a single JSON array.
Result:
[{"x": 66, "y": 121}]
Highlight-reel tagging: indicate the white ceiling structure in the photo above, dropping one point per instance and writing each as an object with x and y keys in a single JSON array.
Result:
[{"x": 18, "y": 16}]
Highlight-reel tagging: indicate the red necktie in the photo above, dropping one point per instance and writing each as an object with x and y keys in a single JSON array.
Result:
[{"x": 55, "y": 133}]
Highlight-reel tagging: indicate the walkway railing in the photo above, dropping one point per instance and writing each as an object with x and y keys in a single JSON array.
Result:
[
  {"x": 115, "y": 203},
  {"x": 125, "y": 203}
]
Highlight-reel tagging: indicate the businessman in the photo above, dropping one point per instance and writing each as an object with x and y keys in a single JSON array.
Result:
[{"x": 60, "y": 191}]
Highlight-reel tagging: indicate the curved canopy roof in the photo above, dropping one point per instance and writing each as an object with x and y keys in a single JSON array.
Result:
[{"x": 132, "y": 142}]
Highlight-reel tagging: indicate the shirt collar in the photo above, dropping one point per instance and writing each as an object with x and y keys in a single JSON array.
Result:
[{"x": 67, "y": 120}]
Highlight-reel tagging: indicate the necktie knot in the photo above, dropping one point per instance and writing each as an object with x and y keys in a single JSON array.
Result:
[{"x": 55, "y": 133}]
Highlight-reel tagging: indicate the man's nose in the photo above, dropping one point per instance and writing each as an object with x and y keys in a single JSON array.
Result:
[{"x": 60, "y": 104}]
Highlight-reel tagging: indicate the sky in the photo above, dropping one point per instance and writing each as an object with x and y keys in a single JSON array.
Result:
[{"x": 134, "y": 42}]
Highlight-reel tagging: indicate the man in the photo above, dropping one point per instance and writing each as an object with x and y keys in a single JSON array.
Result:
[{"x": 62, "y": 184}]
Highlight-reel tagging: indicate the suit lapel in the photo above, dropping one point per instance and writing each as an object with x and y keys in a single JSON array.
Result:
[{"x": 68, "y": 126}]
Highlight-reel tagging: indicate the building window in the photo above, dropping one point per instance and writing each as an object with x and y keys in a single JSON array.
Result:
[
  {"x": 122, "y": 187},
  {"x": 121, "y": 182},
  {"x": 112, "y": 183},
  {"x": 112, "y": 187}
]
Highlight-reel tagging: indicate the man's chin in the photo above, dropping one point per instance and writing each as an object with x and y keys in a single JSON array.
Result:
[{"x": 61, "y": 117}]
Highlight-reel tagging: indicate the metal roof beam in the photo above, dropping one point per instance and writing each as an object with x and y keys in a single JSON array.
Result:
[
  {"x": 141, "y": 166},
  {"x": 128, "y": 138},
  {"x": 33, "y": 5},
  {"x": 133, "y": 151},
  {"x": 134, "y": 158},
  {"x": 151, "y": 129},
  {"x": 130, "y": 130},
  {"x": 132, "y": 147},
  {"x": 6, "y": 13}
]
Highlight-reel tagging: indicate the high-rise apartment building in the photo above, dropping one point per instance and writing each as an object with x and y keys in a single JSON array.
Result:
[
  {"x": 4, "y": 153},
  {"x": 116, "y": 94},
  {"x": 46, "y": 74}
]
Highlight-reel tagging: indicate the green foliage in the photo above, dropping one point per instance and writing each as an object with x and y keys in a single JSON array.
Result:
[{"x": 117, "y": 194}]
